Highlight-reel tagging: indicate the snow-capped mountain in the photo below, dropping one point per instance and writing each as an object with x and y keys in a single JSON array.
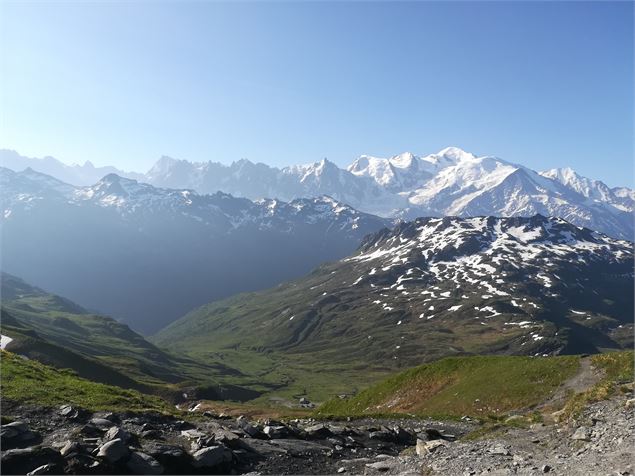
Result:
[
  {"x": 435, "y": 287},
  {"x": 452, "y": 182},
  {"x": 86, "y": 174},
  {"x": 620, "y": 197},
  {"x": 148, "y": 254}
]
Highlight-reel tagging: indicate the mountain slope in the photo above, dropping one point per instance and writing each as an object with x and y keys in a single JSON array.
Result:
[
  {"x": 436, "y": 287},
  {"x": 55, "y": 330},
  {"x": 148, "y": 255}
]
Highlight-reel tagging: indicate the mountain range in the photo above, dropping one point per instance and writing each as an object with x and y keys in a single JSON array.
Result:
[
  {"x": 431, "y": 288},
  {"x": 451, "y": 182},
  {"x": 148, "y": 255}
]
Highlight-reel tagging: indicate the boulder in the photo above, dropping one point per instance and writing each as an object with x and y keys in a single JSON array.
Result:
[
  {"x": 226, "y": 436},
  {"x": 70, "y": 447},
  {"x": 317, "y": 432},
  {"x": 113, "y": 451},
  {"x": 424, "y": 447},
  {"x": 116, "y": 432},
  {"x": 275, "y": 432},
  {"x": 17, "y": 435},
  {"x": 211, "y": 456},
  {"x": 382, "y": 435},
  {"x": 101, "y": 423},
  {"x": 25, "y": 460},
  {"x": 69, "y": 412},
  {"x": 49, "y": 468},
  {"x": 248, "y": 428},
  {"x": 193, "y": 434},
  {"x": 173, "y": 458},
  {"x": 404, "y": 436},
  {"x": 141, "y": 463}
]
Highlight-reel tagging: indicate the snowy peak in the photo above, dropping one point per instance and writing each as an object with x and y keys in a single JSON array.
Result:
[
  {"x": 597, "y": 192},
  {"x": 447, "y": 183},
  {"x": 449, "y": 156},
  {"x": 134, "y": 200}
]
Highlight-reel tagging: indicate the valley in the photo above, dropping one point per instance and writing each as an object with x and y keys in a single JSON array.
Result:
[{"x": 317, "y": 238}]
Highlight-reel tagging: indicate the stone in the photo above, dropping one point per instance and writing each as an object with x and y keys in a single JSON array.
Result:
[
  {"x": 68, "y": 411},
  {"x": 382, "y": 435},
  {"x": 18, "y": 426},
  {"x": 499, "y": 450},
  {"x": 341, "y": 469},
  {"x": 404, "y": 436},
  {"x": 275, "y": 432},
  {"x": 113, "y": 451},
  {"x": 17, "y": 434},
  {"x": 193, "y": 434},
  {"x": 116, "y": 432},
  {"x": 70, "y": 447},
  {"x": 101, "y": 423},
  {"x": 317, "y": 431},
  {"x": 630, "y": 403},
  {"x": 200, "y": 443},
  {"x": 424, "y": 447},
  {"x": 211, "y": 456},
  {"x": 545, "y": 468},
  {"x": 25, "y": 460},
  {"x": 248, "y": 428},
  {"x": 434, "y": 434},
  {"x": 45, "y": 469},
  {"x": 141, "y": 463},
  {"x": 226, "y": 436},
  {"x": 581, "y": 434}
]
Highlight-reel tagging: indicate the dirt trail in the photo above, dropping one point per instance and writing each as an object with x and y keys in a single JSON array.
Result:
[{"x": 586, "y": 377}]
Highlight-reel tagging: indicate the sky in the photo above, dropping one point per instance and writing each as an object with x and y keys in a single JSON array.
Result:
[{"x": 544, "y": 84}]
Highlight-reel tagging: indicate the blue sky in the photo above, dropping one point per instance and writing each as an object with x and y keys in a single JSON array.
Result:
[{"x": 538, "y": 83}]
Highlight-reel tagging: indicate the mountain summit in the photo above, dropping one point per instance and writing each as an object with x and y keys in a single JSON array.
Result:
[{"x": 451, "y": 182}]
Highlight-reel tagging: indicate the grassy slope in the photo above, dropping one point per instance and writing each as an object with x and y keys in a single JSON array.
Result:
[
  {"x": 28, "y": 381},
  {"x": 456, "y": 386},
  {"x": 58, "y": 332},
  {"x": 67, "y": 325}
]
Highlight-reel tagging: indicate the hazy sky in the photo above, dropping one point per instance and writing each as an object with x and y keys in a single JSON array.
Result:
[{"x": 542, "y": 84}]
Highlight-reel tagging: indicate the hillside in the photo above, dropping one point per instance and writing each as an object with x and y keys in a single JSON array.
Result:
[
  {"x": 148, "y": 255},
  {"x": 48, "y": 327},
  {"x": 27, "y": 382},
  {"x": 427, "y": 289},
  {"x": 486, "y": 386}
]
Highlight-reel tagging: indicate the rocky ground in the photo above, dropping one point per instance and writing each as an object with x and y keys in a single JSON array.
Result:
[{"x": 72, "y": 441}]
